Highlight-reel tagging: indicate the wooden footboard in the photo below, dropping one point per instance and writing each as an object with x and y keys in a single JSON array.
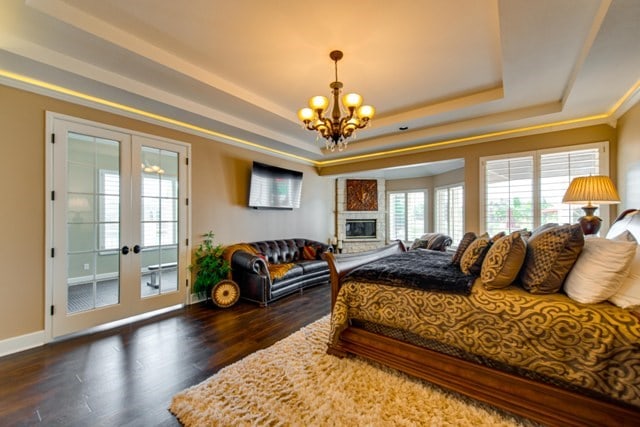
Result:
[{"x": 534, "y": 400}]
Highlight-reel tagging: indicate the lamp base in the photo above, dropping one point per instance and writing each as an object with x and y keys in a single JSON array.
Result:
[{"x": 589, "y": 222}]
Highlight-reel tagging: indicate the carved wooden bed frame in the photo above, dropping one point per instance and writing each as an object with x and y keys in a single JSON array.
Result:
[{"x": 534, "y": 400}]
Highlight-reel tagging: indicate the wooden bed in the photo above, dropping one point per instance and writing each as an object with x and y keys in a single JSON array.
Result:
[{"x": 529, "y": 398}]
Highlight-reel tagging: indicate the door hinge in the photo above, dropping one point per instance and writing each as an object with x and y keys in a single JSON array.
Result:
[
  {"x": 53, "y": 310},
  {"x": 186, "y": 159},
  {"x": 53, "y": 195},
  {"x": 186, "y": 242},
  {"x": 53, "y": 252},
  {"x": 53, "y": 138},
  {"x": 187, "y": 201}
]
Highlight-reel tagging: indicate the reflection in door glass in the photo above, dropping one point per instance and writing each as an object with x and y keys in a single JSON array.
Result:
[
  {"x": 159, "y": 228},
  {"x": 93, "y": 222}
]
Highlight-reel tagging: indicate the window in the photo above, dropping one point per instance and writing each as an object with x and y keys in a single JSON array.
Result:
[
  {"x": 449, "y": 211},
  {"x": 526, "y": 190},
  {"x": 406, "y": 215},
  {"x": 109, "y": 210}
]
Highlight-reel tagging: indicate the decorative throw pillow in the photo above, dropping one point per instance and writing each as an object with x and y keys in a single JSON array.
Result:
[
  {"x": 468, "y": 237},
  {"x": 419, "y": 244},
  {"x": 626, "y": 236},
  {"x": 599, "y": 270},
  {"x": 439, "y": 242},
  {"x": 471, "y": 261},
  {"x": 550, "y": 255},
  {"x": 628, "y": 296},
  {"x": 503, "y": 261},
  {"x": 498, "y": 236},
  {"x": 309, "y": 253}
]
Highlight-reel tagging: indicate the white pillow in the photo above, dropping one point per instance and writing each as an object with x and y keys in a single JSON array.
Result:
[
  {"x": 628, "y": 295},
  {"x": 599, "y": 270}
]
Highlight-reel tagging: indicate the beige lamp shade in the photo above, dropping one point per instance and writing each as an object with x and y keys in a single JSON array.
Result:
[
  {"x": 594, "y": 189},
  {"x": 586, "y": 190}
]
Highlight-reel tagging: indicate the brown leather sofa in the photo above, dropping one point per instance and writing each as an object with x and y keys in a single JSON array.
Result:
[{"x": 270, "y": 269}]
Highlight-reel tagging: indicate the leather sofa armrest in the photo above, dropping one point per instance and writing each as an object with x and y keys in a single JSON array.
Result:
[{"x": 242, "y": 260}]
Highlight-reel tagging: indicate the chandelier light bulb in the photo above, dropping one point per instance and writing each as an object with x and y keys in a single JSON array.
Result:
[
  {"x": 366, "y": 111},
  {"x": 305, "y": 114},
  {"x": 319, "y": 103},
  {"x": 352, "y": 100}
]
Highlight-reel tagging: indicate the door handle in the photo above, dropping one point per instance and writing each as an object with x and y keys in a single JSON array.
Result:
[
  {"x": 125, "y": 250},
  {"x": 137, "y": 249}
]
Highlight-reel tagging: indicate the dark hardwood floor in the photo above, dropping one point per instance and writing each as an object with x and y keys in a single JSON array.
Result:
[{"x": 126, "y": 376}]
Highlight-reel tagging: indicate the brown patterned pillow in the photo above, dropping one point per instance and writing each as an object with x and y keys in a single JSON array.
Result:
[
  {"x": 468, "y": 237},
  {"x": 503, "y": 261},
  {"x": 471, "y": 261},
  {"x": 550, "y": 255}
]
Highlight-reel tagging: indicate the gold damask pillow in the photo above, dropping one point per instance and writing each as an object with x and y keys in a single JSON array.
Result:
[
  {"x": 550, "y": 255},
  {"x": 503, "y": 261},
  {"x": 471, "y": 261}
]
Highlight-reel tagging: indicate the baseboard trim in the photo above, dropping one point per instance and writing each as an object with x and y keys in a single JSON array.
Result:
[
  {"x": 21, "y": 343},
  {"x": 195, "y": 298}
]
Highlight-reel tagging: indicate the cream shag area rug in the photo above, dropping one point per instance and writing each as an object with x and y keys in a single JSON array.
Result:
[{"x": 295, "y": 383}]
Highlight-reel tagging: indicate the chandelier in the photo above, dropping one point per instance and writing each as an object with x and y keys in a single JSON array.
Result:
[{"x": 337, "y": 128}]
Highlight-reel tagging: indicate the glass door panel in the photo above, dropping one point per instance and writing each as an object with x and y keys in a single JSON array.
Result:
[
  {"x": 93, "y": 174},
  {"x": 159, "y": 197}
]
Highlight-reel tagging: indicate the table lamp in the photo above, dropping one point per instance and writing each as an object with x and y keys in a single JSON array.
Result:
[{"x": 587, "y": 190}]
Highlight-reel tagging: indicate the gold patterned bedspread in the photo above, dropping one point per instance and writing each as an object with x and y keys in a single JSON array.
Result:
[{"x": 595, "y": 347}]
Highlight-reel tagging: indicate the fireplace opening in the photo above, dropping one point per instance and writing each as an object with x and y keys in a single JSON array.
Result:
[{"x": 361, "y": 229}]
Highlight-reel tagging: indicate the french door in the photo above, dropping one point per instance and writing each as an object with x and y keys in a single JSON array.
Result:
[{"x": 117, "y": 225}]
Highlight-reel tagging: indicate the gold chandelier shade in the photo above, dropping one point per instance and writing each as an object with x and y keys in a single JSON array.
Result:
[{"x": 337, "y": 128}]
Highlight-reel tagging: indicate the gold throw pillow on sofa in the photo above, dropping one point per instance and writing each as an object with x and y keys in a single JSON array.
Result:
[{"x": 503, "y": 261}]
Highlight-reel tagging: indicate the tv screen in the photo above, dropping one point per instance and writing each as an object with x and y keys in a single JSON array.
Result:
[{"x": 275, "y": 188}]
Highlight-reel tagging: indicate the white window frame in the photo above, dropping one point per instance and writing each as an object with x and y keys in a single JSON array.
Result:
[
  {"x": 426, "y": 207},
  {"x": 436, "y": 210},
  {"x": 603, "y": 167}
]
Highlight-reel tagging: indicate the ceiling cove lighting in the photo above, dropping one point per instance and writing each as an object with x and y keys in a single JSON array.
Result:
[{"x": 337, "y": 128}]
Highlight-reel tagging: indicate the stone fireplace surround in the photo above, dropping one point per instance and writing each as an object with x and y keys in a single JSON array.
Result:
[{"x": 350, "y": 245}]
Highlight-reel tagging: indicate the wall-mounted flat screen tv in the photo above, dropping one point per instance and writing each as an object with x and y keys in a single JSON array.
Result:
[{"x": 274, "y": 188}]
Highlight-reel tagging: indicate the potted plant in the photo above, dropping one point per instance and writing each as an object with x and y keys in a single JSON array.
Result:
[{"x": 210, "y": 267}]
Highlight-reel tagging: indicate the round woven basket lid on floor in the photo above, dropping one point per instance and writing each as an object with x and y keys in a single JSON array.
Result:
[{"x": 225, "y": 293}]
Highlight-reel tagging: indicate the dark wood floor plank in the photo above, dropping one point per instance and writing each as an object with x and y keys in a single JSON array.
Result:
[{"x": 127, "y": 375}]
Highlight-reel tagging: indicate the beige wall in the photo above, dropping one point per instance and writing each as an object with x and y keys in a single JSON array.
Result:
[
  {"x": 629, "y": 159},
  {"x": 220, "y": 178}
]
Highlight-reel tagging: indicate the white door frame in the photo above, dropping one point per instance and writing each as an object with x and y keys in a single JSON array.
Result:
[{"x": 185, "y": 253}]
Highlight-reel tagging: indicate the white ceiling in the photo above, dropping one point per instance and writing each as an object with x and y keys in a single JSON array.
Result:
[{"x": 451, "y": 71}]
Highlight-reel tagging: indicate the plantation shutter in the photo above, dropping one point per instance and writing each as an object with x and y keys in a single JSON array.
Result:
[
  {"x": 449, "y": 211},
  {"x": 556, "y": 172},
  {"x": 509, "y": 194},
  {"x": 397, "y": 212}
]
